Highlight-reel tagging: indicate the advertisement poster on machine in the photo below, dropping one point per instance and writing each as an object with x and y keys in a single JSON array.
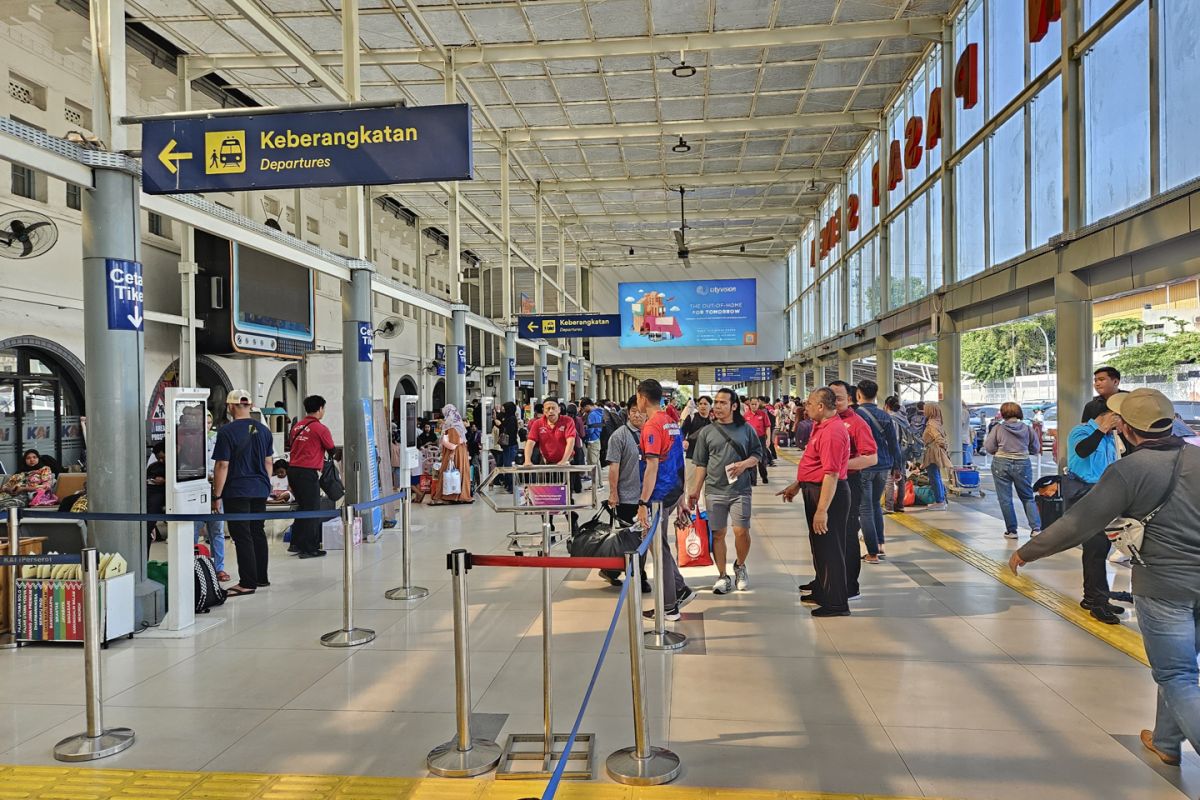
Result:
[{"x": 707, "y": 313}]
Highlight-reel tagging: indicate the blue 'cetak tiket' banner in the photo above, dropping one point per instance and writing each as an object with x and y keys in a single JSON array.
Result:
[{"x": 363, "y": 147}]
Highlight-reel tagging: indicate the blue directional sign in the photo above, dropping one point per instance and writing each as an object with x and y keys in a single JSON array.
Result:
[
  {"x": 546, "y": 376},
  {"x": 512, "y": 369},
  {"x": 366, "y": 342},
  {"x": 573, "y": 371},
  {"x": 737, "y": 374},
  {"x": 361, "y": 147},
  {"x": 125, "y": 294},
  {"x": 439, "y": 356},
  {"x": 462, "y": 359},
  {"x": 568, "y": 326}
]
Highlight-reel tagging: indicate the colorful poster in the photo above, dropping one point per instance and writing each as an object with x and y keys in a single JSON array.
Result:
[{"x": 709, "y": 313}]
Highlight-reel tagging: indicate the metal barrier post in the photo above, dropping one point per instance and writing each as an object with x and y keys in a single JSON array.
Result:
[
  {"x": 406, "y": 591},
  {"x": 547, "y": 630},
  {"x": 95, "y": 742},
  {"x": 462, "y": 756},
  {"x": 643, "y": 764},
  {"x": 9, "y": 640},
  {"x": 348, "y": 635},
  {"x": 660, "y": 638}
]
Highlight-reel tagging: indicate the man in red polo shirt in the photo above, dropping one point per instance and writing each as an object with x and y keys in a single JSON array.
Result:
[
  {"x": 821, "y": 477},
  {"x": 311, "y": 440},
  {"x": 553, "y": 434},
  {"x": 758, "y": 419},
  {"x": 864, "y": 454}
]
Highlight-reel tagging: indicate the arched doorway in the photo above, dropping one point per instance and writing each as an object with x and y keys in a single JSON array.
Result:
[
  {"x": 406, "y": 386},
  {"x": 439, "y": 394},
  {"x": 41, "y": 401},
  {"x": 209, "y": 375},
  {"x": 286, "y": 389}
]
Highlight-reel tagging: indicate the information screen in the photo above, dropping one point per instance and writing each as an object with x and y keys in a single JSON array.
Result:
[
  {"x": 410, "y": 424},
  {"x": 271, "y": 296},
  {"x": 708, "y": 313},
  {"x": 191, "y": 451}
]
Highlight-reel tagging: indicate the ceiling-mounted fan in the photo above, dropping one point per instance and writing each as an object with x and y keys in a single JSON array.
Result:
[{"x": 685, "y": 251}]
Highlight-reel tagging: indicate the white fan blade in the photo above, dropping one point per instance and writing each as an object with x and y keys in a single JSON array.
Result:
[
  {"x": 733, "y": 253},
  {"x": 727, "y": 245}
]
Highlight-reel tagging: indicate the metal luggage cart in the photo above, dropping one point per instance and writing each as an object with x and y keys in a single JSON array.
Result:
[{"x": 543, "y": 490}]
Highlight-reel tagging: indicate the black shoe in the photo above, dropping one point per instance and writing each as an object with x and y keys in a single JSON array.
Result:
[
  {"x": 313, "y": 554},
  {"x": 669, "y": 614},
  {"x": 822, "y": 611},
  {"x": 1104, "y": 615},
  {"x": 808, "y": 587},
  {"x": 262, "y": 584},
  {"x": 685, "y": 597},
  {"x": 1107, "y": 606},
  {"x": 646, "y": 588},
  {"x": 1121, "y": 597},
  {"x": 809, "y": 599},
  {"x": 292, "y": 548},
  {"x": 611, "y": 576}
]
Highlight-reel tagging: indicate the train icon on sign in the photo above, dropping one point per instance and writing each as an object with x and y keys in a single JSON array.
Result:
[{"x": 224, "y": 152}]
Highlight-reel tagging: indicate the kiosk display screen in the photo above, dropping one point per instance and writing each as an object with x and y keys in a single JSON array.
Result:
[
  {"x": 191, "y": 441},
  {"x": 410, "y": 424}
]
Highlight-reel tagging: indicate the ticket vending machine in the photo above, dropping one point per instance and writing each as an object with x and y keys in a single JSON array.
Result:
[
  {"x": 188, "y": 492},
  {"x": 487, "y": 413}
]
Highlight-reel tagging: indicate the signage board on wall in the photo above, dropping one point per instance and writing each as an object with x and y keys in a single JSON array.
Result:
[{"x": 707, "y": 313}]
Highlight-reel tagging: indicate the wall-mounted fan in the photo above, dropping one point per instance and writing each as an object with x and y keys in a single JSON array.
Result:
[
  {"x": 26, "y": 234},
  {"x": 390, "y": 328}
]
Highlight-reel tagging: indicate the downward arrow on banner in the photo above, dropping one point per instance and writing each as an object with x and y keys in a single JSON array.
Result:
[{"x": 135, "y": 318}]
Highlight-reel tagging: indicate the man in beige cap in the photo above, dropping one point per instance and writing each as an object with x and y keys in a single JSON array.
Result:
[
  {"x": 1161, "y": 472},
  {"x": 242, "y": 481}
]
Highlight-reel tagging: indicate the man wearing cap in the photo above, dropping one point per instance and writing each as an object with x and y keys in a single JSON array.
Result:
[
  {"x": 242, "y": 481},
  {"x": 1166, "y": 591}
]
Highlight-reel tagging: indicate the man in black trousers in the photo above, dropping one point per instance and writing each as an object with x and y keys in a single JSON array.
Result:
[{"x": 821, "y": 478}]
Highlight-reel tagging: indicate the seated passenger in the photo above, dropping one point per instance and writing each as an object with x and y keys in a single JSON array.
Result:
[
  {"x": 32, "y": 486},
  {"x": 280, "y": 490}
]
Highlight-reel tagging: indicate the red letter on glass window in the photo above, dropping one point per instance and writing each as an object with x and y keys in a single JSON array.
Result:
[
  {"x": 852, "y": 213},
  {"x": 1041, "y": 14},
  {"x": 875, "y": 185},
  {"x": 934, "y": 134},
  {"x": 825, "y": 240},
  {"x": 912, "y": 142},
  {"x": 966, "y": 76},
  {"x": 835, "y": 228},
  {"x": 895, "y": 168}
]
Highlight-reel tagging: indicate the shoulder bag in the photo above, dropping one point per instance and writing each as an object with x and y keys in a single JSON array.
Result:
[
  {"x": 330, "y": 481},
  {"x": 1127, "y": 533}
]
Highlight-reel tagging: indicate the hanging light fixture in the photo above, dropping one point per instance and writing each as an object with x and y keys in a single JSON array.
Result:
[
  {"x": 682, "y": 147},
  {"x": 684, "y": 70},
  {"x": 631, "y": 251}
]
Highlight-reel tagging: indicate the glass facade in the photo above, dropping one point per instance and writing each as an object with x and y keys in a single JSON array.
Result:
[{"x": 1003, "y": 100}]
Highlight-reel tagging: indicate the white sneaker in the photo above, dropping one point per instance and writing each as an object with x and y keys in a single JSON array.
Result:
[
  {"x": 723, "y": 585},
  {"x": 1117, "y": 557},
  {"x": 741, "y": 578}
]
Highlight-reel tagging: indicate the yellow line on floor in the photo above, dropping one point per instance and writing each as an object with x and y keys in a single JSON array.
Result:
[
  {"x": 77, "y": 783},
  {"x": 1120, "y": 637}
]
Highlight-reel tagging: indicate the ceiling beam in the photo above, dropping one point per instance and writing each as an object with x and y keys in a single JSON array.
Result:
[
  {"x": 695, "y": 127},
  {"x": 673, "y": 182},
  {"x": 693, "y": 216},
  {"x": 517, "y": 52}
]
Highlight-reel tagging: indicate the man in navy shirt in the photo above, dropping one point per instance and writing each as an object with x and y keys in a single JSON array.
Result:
[{"x": 242, "y": 479}]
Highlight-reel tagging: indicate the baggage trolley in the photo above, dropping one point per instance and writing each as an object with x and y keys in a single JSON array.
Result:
[{"x": 964, "y": 482}]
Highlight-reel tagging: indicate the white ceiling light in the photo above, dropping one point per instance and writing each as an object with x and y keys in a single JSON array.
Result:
[{"x": 682, "y": 147}]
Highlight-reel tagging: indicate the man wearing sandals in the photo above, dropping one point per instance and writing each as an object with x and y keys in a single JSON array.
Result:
[{"x": 242, "y": 481}]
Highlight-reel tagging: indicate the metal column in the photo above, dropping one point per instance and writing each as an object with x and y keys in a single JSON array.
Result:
[
  {"x": 1073, "y": 348},
  {"x": 564, "y": 375},
  {"x": 540, "y": 371},
  {"x": 506, "y": 269},
  {"x": 356, "y": 382},
  {"x": 456, "y": 356},
  {"x": 885, "y": 368},
  {"x": 593, "y": 385},
  {"x": 508, "y": 369},
  {"x": 845, "y": 366},
  {"x": 949, "y": 363},
  {"x": 453, "y": 232}
]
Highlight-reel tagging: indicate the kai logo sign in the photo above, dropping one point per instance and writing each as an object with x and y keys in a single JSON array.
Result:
[{"x": 224, "y": 152}]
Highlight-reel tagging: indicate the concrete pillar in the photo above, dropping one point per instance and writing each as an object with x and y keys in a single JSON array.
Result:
[
  {"x": 456, "y": 356},
  {"x": 564, "y": 378},
  {"x": 541, "y": 377},
  {"x": 508, "y": 368},
  {"x": 113, "y": 365},
  {"x": 593, "y": 381},
  {"x": 949, "y": 362},
  {"x": 1073, "y": 352},
  {"x": 885, "y": 368},
  {"x": 356, "y": 383},
  {"x": 845, "y": 366}
]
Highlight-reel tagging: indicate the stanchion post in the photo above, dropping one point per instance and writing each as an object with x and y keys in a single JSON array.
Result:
[
  {"x": 660, "y": 638},
  {"x": 463, "y": 756},
  {"x": 9, "y": 640},
  {"x": 348, "y": 635},
  {"x": 643, "y": 764},
  {"x": 547, "y": 631},
  {"x": 406, "y": 591},
  {"x": 95, "y": 742}
]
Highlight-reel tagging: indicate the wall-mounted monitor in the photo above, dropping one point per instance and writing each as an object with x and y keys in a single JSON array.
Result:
[
  {"x": 704, "y": 313},
  {"x": 252, "y": 303}
]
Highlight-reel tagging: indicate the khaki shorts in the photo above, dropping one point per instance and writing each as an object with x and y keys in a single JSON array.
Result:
[{"x": 724, "y": 511}]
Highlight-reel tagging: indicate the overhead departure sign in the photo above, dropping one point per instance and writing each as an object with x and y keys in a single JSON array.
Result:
[
  {"x": 355, "y": 147},
  {"x": 743, "y": 374},
  {"x": 568, "y": 326}
]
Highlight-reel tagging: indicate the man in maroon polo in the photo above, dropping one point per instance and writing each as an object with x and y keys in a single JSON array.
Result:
[{"x": 311, "y": 440}]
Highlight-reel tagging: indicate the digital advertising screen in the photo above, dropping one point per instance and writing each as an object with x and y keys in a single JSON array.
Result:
[
  {"x": 191, "y": 443},
  {"x": 706, "y": 313}
]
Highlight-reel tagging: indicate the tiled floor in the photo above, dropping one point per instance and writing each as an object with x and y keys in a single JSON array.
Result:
[{"x": 943, "y": 683}]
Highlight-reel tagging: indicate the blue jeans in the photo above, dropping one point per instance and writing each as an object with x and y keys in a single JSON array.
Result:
[
  {"x": 935, "y": 480},
  {"x": 1015, "y": 473},
  {"x": 870, "y": 510},
  {"x": 216, "y": 541},
  {"x": 967, "y": 454},
  {"x": 508, "y": 457},
  {"x": 1171, "y": 633}
]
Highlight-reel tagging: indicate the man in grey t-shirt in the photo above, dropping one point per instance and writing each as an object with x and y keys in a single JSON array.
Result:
[
  {"x": 625, "y": 478},
  {"x": 726, "y": 454}
]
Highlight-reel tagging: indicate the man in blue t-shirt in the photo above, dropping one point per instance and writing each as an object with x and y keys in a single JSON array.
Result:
[
  {"x": 593, "y": 420},
  {"x": 242, "y": 480}
]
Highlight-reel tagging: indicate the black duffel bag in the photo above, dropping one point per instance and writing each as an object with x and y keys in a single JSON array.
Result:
[{"x": 603, "y": 537}]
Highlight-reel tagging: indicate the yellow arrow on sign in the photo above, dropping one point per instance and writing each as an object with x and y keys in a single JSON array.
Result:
[{"x": 168, "y": 156}]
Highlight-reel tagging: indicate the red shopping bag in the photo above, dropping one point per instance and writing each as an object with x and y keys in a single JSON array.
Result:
[
  {"x": 691, "y": 540},
  {"x": 910, "y": 494}
]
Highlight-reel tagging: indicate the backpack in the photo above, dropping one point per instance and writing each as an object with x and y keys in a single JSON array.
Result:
[
  {"x": 911, "y": 446},
  {"x": 610, "y": 425},
  {"x": 208, "y": 590}
]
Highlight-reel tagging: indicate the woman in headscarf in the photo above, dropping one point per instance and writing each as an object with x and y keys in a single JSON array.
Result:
[
  {"x": 454, "y": 456},
  {"x": 33, "y": 485},
  {"x": 936, "y": 460}
]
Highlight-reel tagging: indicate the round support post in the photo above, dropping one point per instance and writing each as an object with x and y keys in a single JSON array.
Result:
[
  {"x": 9, "y": 640},
  {"x": 348, "y": 635},
  {"x": 463, "y": 756},
  {"x": 406, "y": 590},
  {"x": 95, "y": 742}
]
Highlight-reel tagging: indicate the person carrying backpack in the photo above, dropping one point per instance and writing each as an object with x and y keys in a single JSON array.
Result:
[
  {"x": 874, "y": 478},
  {"x": 893, "y": 489}
]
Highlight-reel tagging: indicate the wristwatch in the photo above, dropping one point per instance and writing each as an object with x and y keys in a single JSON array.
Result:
[{"x": 644, "y": 503}]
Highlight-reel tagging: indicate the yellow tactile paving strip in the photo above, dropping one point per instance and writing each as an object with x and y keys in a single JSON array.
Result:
[
  {"x": 1120, "y": 637},
  {"x": 75, "y": 783}
]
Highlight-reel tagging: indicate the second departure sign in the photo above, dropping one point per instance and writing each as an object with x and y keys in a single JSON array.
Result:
[{"x": 363, "y": 147}]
